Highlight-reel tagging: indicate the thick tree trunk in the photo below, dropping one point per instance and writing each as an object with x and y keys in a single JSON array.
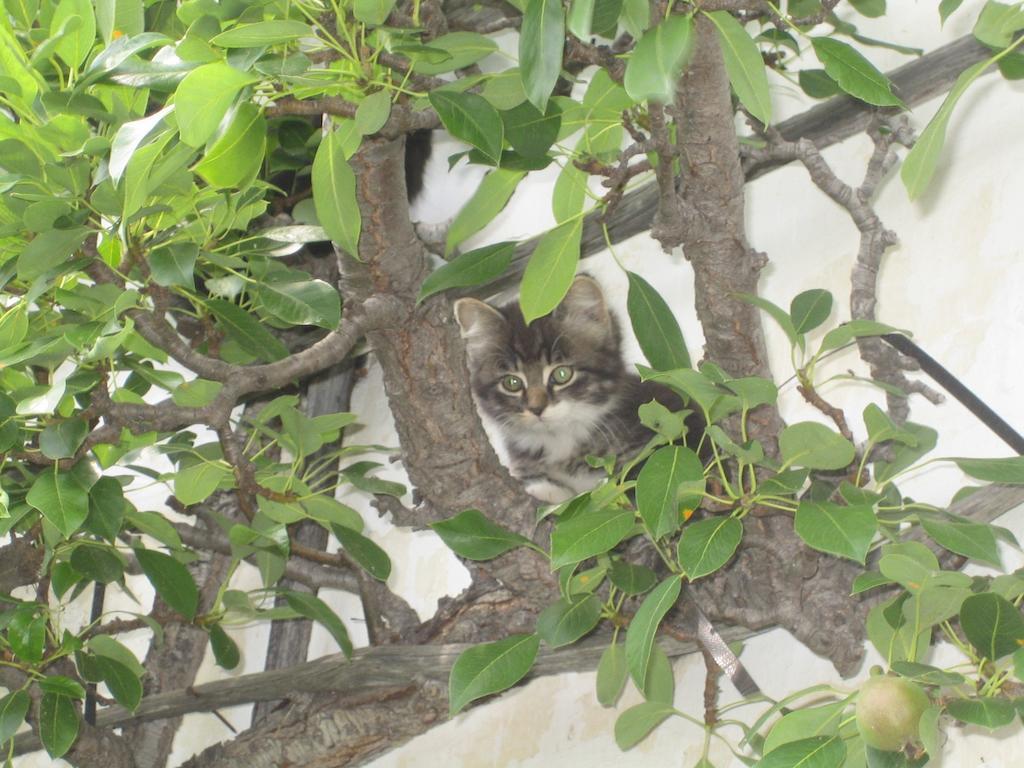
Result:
[{"x": 775, "y": 579}]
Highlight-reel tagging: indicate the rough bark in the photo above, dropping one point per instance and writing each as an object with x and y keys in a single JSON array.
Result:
[
  {"x": 775, "y": 579},
  {"x": 19, "y": 564},
  {"x": 444, "y": 449}
]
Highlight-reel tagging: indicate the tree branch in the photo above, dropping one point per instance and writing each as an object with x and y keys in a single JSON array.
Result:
[{"x": 825, "y": 124}]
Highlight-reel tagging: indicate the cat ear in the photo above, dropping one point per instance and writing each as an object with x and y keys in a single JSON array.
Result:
[
  {"x": 584, "y": 310},
  {"x": 479, "y": 323}
]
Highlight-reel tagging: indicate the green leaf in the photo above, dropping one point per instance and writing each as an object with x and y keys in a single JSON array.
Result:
[
  {"x": 947, "y": 8},
  {"x": 312, "y": 607},
  {"x": 458, "y": 50},
  {"x": 487, "y": 202},
  {"x": 476, "y": 267},
  {"x": 61, "y": 498},
  {"x": 531, "y": 132},
  {"x": 920, "y": 163},
  {"x": 815, "y": 446},
  {"x": 803, "y": 723},
  {"x": 997, "y": 23},
  {"x": 26, "y": 634},
  {"x": 541, "y": 41},
  {"x": 235, "y": 157},
  {"x": 329, "y": 510},
  {"x": 262, "y": 33},
  {"x": 61, "y": 685},
  {"x": 854, "y": 329},
  {"x": 204, "y": 97},
  {"x": 838, "y": 530},
  {"x": 660, "y": 685},
  {"x": 1010, "y": 470},
  {"x": 334, "y": 193},
  {"x": 302, "y": 302},
  {"x": 245, "y": 329},
  {"x": 61, "y": 440},
  {"x": 77, "y": 19},
  {"x": 611, "y": 674},
  {"x": 567, "y": 621},
  {"x": 817, "y": 84},
  {"x": 570, "y": 193},
  {"x": 658, "y": 60},
  {"x": 489, "y": 668},
  {"x": 588, "y": 533},
  {"x": 472, "y": 119},
  {"x": 810, "y": 309},
  {"x": 58, "y": 724},
  {"x": 815, "y": 752},
  {"x": 854, "y": 74},
  {"x": 357, "y": 474},
  {"x": 905, "y": 455},
  {"x": 579, "y": 19},
  {"x": 671, "y": 480},
  {"x": 1011, "y": 66},
  {"x": 104, "y": 645},
  {"x": 373, "y": 12},
  {"x": 927, "y": 674},
  {"x": 870, "y": 8},
  {"x": 606, "y": 17},
  {"x": 990, "y": 713},
  {"x": 171, "y": 580},
  {"x": 13, "y": 326},
  {"x": 550, "y": 270},
  {"x": 97, "y": 563},
  {"x": 225, "y": 650},
  {"x": 373, "y": 112},
  {"x": 905, "y": 570},
  {"x": 707, "y": 545},
  {"x": 633, "y": 725},
  {"x": 744, "y": 65},
  {"x": 993, "y": 624},
  {"x": 893, "y": 636},
  {"x": 631, "y": 579},
  {"x": 778, "y": 314},
  {"x": 644, "y": 626},
  {"x": 124, "y": 684},
  {"x": 48, "y": 250},
  {"x": 967, "y": 538},
  {"x": 13, "y": 708},
  {"x": 195, "y": 483},
  {"x": 196, "y": 393},
  {"x": 366, "y": 553},
  {"x": 753, "y": 391},
  {"x": 655, "y": 326},
  {"x": 471, "y": 535},
  {"x": 174, "y": 265}
]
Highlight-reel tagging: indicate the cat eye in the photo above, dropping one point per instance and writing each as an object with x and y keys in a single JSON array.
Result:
[
  {"x": 512, "y": 383},
  {"x": 562, "y": 374}
]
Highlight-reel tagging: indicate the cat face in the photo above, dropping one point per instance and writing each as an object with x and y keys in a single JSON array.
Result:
[{"x": 548, "y": 384}]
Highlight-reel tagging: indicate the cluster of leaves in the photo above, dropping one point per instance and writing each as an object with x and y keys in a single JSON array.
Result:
[
  {"x": 690, "y": 505},
  {"x": 135, "y": 139},
  {"x": 518, "y": 125},
  {"x": 139, "y": 145}
]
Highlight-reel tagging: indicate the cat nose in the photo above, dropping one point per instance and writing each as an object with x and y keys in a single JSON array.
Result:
[{"x": 536, "y": 400}]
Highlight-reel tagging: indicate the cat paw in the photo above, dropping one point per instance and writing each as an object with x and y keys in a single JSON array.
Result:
[{"x": 547, "y": 491}]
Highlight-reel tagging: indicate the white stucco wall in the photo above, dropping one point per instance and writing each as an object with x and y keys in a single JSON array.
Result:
[{"x": 956, "y": 280}]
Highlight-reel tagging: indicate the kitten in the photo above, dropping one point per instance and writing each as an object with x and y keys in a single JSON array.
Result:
[{"x": 557, "y": 390}]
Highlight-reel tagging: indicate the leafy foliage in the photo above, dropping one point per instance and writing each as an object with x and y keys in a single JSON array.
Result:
[{"x": 145, "y": 147}]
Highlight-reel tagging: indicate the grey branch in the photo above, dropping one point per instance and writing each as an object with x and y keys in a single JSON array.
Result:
[{"x": 826, "y": 124}]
